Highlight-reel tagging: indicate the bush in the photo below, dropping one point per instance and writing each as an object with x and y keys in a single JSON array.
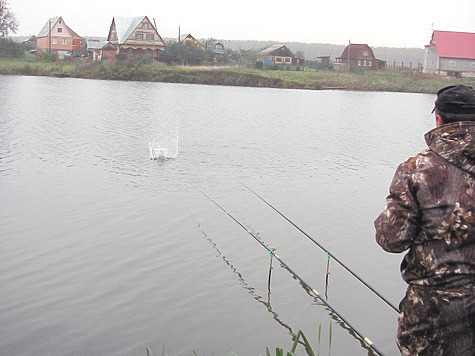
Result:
[
  {"x": 48, "y": 57},
  {"x": 10, "y": 49},
  {"x": 259, "y": 65}
]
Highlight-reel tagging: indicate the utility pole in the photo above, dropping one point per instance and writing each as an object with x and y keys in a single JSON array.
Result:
[
  {"x": 349, "y": 49},
  {"x": 153, "y": 51},
  {"x": 49, "y": 35}
]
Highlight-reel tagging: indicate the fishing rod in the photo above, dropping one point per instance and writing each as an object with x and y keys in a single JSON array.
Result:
[
  {"x": 324, "y": 249},
  {"x": 314, "y": 291}
]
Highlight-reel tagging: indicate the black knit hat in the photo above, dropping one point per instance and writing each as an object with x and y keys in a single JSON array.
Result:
[{"x": 456, "y": 99}]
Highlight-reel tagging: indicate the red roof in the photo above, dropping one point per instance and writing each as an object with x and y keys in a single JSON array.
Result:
[
  {"x": 356, "y": 51},
  {"x": 454, "y": 44}
]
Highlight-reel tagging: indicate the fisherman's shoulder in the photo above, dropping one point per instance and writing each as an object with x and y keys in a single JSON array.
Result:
[{"x": 424, "y": 160}]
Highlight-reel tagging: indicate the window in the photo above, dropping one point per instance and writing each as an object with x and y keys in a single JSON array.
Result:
[
  {"x": 114, "y": 37},
  {"x": 145, "y": 26},
  {"x": 288, "y": 60},
  {"x": 359, "y": 62},
  {"x": 55, "y": 40},
  {"x": 364, "y": 63},
  {"x": 278, "y": 59},
  {"x": 139, "y": 36},
  {"x": 65, "y": 41},
  {"x": 370, "y": 63},
  {"x": 60, "y": 30},
  {"x": 452, "y": 63},
  {"x": 150, "y": 37},
  {"x": 473, "y": 64}
]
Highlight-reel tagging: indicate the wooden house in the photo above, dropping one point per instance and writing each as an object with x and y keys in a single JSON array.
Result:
[
  {"x": 323, "y": 62},
  {"x": 360, "y": 56},
  {"x": 56, "y": 36},
  {"x": 218, "y": 48},
  {"x": 101, "y": 50},
  {"x": 187, "y": 38},
  {"x": 135, "y": 36},
  {"x": 450, "y": 53},
  {"x": 278, "y": 54},
  {"x": 30, "y": 43}
]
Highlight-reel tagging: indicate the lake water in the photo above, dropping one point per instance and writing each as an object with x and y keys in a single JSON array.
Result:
[{"x": 104, "y": 251}]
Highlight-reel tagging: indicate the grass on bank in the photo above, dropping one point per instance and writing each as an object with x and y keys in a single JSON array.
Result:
[{"x": 233, "y": 76}]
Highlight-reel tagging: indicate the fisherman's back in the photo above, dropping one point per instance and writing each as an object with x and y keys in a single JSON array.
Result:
[{"x": 430, "y": 212}]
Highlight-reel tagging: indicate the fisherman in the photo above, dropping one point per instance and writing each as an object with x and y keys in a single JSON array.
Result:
[{"x": 430, "y": 211}]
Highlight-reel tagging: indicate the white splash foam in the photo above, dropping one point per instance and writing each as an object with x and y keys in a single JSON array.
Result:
[{"x": 163, "y": 149}]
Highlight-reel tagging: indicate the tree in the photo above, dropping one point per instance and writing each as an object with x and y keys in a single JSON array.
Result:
[
  {"x": 300, "y": 54},
  {"x": 8, "y": 22},
  {"x": 182, "y": 53}
]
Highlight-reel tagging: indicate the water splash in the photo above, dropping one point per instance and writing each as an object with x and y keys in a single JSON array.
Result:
[{"x": 163, "y": 148}]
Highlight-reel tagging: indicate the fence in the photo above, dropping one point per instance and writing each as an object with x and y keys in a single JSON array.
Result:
[{"x": 404, "y": 67}]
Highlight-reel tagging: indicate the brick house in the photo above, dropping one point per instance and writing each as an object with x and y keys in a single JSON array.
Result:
[
  {"x": 56, "y": 36},
  {"x": 450, "y": 53},
  {"x": 135, "y": 36},
  {"x": 360, "y": 56}
]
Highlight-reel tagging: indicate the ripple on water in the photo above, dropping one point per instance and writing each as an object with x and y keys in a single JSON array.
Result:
[{"x": 105, "y": 251}]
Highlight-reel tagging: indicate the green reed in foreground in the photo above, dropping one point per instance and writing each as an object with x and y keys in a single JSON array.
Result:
[{"x": 306, "y": 344}]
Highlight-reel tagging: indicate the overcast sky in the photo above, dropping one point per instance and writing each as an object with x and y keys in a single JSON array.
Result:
[{"x": 378, "y": 23}]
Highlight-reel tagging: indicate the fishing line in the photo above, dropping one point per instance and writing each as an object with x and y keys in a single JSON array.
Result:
[
  {"x": 314, "y": 291},
  {"x": 324, "y": 249},
  {"x": 326, "y": 275}
]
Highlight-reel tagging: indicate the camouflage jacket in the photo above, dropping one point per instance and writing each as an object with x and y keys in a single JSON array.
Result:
[{"x": 430, "y": 209}]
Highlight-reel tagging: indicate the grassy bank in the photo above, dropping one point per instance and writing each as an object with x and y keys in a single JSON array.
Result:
[{"x": 308, "y": 79}]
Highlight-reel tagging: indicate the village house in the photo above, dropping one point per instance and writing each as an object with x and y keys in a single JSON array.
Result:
[
  {"x": 135, "y": 36},
  {"x": 100, "y": 50},
  {"x": 360, "y": 56},
  {"x": 279, "y": 54},
  {"x": 450, "y": 53},
  {"x": 57, "y": 37},
  {"x": 217, "y": 48},
  {"x": 30, "y": 43},
  {"x": 323, "y": 62},
  {"x": 187, "y": 38}
]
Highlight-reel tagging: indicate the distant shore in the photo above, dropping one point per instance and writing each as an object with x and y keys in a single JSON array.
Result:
[{"x": 307, "y": 78}]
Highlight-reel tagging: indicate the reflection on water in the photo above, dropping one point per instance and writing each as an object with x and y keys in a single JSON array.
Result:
[
  {"x": 99, "y": 249},
  {"x": 245, "y": 285}
]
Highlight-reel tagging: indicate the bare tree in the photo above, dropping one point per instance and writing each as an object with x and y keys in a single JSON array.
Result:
[{"x": 8, "y": 22}]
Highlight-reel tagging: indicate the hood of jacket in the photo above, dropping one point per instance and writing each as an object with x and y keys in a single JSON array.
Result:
[{"x": 455, "y": 142}]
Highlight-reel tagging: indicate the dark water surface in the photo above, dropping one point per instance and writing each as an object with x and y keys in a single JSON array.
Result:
[{"x": 104, "y": 251}]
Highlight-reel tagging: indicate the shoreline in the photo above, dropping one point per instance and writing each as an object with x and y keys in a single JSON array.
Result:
[{"x": 308, "y": 78}]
